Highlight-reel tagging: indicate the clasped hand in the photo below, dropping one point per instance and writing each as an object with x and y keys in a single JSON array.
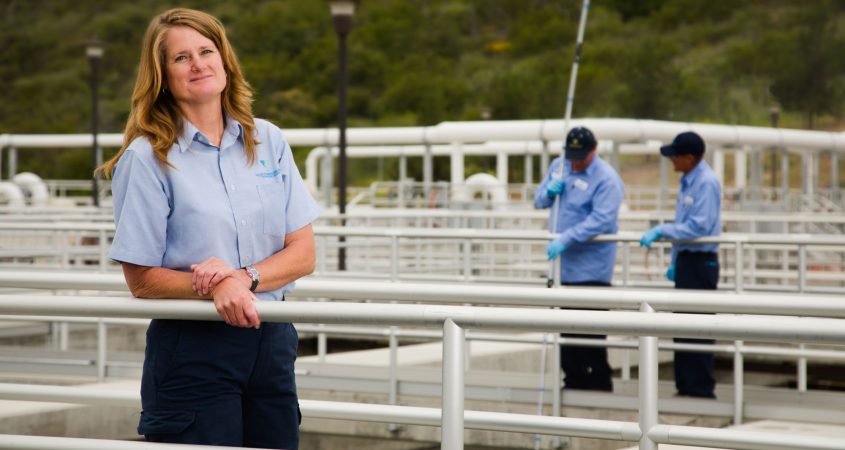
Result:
[{"x": 232, "y": 299}]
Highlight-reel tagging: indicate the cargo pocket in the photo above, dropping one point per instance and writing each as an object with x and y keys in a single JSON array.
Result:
[
  {"x": 273, "y": 208},
  {"x": 157, "y": 423}
]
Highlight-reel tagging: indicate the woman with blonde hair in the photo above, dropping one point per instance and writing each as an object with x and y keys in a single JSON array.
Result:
[{"x": 209, "y": 205}]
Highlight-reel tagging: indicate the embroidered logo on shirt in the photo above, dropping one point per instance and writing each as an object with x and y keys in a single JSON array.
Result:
[
  {"x": 269, "y": 173},
  {"x": 581, "y": 184}
]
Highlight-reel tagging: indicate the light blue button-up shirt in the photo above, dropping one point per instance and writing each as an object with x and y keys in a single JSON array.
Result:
[
  {"x": 212, "y": 203},
  {"x": 589, "y": 206},
  {"x": 697, "y": 211}
]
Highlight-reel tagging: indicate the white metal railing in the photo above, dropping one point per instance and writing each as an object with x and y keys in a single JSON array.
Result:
[
  {"x": 806, "y": 305},
  {"x": 522, "y": 216},
  {"x": 454, "y": 318},
  {"x": 775, "y": 262}
]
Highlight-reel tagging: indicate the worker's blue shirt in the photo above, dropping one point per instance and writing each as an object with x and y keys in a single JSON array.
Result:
[
  {"x": 589, "y": 206},
  {"x": 211, "y": 203},
  {"x": 697, "y": 211}
]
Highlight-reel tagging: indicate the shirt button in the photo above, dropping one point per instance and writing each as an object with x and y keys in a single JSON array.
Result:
[
  {"x": 232, "y": 187},
  {"x": 243, "y": 221}
]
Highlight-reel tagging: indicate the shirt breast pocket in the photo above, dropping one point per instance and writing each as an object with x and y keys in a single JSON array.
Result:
[
  {"x": 579, "y": 200},
  {"x": 273, "y": 208}
]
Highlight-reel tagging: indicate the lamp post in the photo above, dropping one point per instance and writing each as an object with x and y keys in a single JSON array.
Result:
[
  {"x": 94, "y": 51},
  {"x": 774, "y": 112},
  {"x": 342, "y": 12}
]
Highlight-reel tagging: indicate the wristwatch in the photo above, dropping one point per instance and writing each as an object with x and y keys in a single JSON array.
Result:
[{"x": 253, "y": 274}]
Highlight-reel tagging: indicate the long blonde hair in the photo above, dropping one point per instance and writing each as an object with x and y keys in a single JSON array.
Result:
[{"x": 154, "y": 114}]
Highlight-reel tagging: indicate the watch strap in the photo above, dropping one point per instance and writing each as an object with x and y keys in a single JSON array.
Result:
[{"x": 253, "y": 274}]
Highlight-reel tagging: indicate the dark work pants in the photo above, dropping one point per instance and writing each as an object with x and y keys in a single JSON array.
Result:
[
  {"x": 206, "y": 382},
  {"x": 585, "y": 367},
  {"x": 694, "y": 370}
]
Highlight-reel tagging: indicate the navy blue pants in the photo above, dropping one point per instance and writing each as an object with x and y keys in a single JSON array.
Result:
[
  {"x": 214, "y": 384},
  {"x": 585, "y": 367},
  {"x": 694, "y": 370}
]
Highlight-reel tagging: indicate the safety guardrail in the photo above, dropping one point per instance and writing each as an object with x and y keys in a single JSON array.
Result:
[{"x": 453, "y": 319}]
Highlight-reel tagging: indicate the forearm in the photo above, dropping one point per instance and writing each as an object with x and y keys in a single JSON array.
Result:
[
  {"x": 295, "y": 261},
  {"x": 158, "y": 282}
]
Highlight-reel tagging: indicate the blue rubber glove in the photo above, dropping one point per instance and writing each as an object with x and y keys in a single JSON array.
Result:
[
  {"x": 555, "y": 248},
  {"x": 670, "y": 273},
  {"x": 554, "y": 188},
  {"x": 650, "y": 236}
]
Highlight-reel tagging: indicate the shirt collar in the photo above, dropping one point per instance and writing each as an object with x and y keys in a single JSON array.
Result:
[{"x": 232, "y": 132}]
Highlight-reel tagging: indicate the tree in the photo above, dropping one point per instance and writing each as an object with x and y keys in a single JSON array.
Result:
[{"x": 806, "y": 67}]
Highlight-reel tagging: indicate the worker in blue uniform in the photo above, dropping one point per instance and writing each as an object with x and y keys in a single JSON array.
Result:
[
  {"x": 693, "y": 265},
  {"x": 209, "y": 204},
  {"x": 589, "y": 193}
]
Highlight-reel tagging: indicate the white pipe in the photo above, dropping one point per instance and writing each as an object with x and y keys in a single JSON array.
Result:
[
  {"x": 740, "y": 439},
  {"x": 312, "y": 165},
  {"x": 648, "y": 382},
  {"x": 18, "y": 442},
  {"x": 452, "y": 420},
  {"x": 571, "y": 297},
  {"x": 623, "y": 130},
  {"x": 482, "y": 183},
  {"x": 320, "y": 409},
  {"x": 745, "y": 327},
  {"x": 12, "y": 194},
  {"x": 34, "y": 185}
]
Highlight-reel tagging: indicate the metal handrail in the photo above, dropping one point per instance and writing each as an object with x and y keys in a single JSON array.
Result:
[
  {"x": 778, "y": 329},
  {"x": 809, "y": 305}
]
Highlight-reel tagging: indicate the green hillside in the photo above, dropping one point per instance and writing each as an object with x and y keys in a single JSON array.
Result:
[{"x": 419, "y": 62}]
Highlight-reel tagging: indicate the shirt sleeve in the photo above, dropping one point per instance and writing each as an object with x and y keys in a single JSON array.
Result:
[
  {"x": 541, "y": 200},
  {"x": 601, "y": 220},
  {"x": 301, "y": 208},
  {"x": 702, "y": 216},
  {"x": 141, "y": 208}
]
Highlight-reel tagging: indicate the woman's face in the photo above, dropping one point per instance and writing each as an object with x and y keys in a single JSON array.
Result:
[{"x": 193, "y": 67}]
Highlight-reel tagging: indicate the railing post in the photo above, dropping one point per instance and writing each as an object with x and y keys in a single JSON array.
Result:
[
  {"x": 648, "y": 385},
  {"x": 393, "y": 394},
  {"x": 321, "y": 255},
  {"x": 626, "y": 365},
  {"x": 322, "y": 345},
  {"x": 802, "y": 267},
  {"x": 467, "y": 246},
  {"x": 101, "y": 350},
  {"x": 394, "y": 258},
  {"x": 738, "y": 263},
  {"x": 626, "y": 257},
  {"x": 452, "y": 420},
  {"x": 103, "y": 250},
  {"x": 557, "y": 388},
  {"x": 802, "y": 370},
  {"x": 739, "y": 380}
]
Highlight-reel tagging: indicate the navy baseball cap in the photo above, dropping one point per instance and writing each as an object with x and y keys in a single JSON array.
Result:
[
  {"x": 687, "y": 143},
  {"x": 579, "y": 142}
]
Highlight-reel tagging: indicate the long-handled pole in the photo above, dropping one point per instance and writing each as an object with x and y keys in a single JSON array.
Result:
[{"x": 570, "y": 99}]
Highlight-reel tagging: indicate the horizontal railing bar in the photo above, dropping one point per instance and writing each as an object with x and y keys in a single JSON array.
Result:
[
  {"x": 409, "y": 415},
  {"x": 749, "y": 440},
  {"x": 19, "y": 442},
  {"x": 793, "y": 239},
  {"x": 814, "y": 305},
  {"x": 775, "y": 329}
]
